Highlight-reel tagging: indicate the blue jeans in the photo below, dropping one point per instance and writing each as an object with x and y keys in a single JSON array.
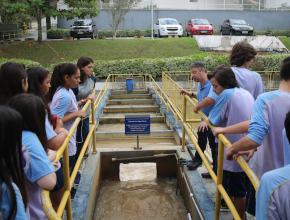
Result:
[
  {"x": 202, "y": 142},
  {"x": 82, "y": 133}
]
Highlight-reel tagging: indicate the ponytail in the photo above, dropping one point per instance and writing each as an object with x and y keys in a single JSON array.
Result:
[{"x": 57, "y": 78}]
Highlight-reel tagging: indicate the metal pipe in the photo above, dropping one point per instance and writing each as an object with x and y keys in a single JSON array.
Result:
[
  {"x": 152, "y": 20},
  {"x": 67, "y": 183},
  {"x": 184, "y": 121},
  {"x": 146, "y": 157}
]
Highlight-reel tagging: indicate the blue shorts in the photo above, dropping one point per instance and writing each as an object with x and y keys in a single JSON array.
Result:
[
  {"x": 59, "y": 180},
  {"x": 235, "y": 183},
  {"x": 72, "y": 161}
]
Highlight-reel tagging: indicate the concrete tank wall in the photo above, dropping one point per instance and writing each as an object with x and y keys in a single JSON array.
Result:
[{"x": 141, "y": 19}]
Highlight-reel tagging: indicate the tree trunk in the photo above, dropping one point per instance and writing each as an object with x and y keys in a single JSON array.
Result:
[
  {"x": 38, "y": 17},
  {"x": 113, "y": 28}
]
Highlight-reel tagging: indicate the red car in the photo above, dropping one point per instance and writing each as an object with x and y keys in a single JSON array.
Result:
[{"x": 199, "y": 26}]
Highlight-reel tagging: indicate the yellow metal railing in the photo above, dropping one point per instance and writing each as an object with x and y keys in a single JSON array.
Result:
[
  {"x": 169, "y": 86},
  {"x": 271, "y": 79}
]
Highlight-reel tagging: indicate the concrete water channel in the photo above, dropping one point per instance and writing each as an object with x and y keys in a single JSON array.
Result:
[{"x": 119, "y": 182}]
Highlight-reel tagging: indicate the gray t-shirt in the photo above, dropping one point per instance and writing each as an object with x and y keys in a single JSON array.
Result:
[{"x": 86, "y": 88}]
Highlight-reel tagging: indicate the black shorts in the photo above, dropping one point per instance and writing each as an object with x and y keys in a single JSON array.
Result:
[
  {"x": 250, "y": 205},
  {"x": 235, "y": 183},
  {"x": 59, "y": 180},
  {"x": 72, "y": 161}
]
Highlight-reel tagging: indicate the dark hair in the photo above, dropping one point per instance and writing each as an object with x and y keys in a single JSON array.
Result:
[
  {"x": 242, "y": 52},
  {"x": 285, "y": 69},
  {"x": 11, "y": 158},
  {"x": 11, "y": 76},
  {"x": 32, "y": 110},
  {"x": 36, "y": 76},
  {"x": 82, "y": 62},
  {"x": 287, "y": 125},
  {"x": 198, "y": 65},
  {"x": 225, "y": 76},
  {"x": 57, "y": 78}
]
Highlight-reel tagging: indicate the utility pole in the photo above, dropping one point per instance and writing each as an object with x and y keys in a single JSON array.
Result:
[{"x": 152, "y": 19}]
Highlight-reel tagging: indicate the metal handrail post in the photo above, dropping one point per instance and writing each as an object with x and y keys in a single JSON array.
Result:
[
  {"x": 66, "y": 182},
  {"x": 219, "y": 179},
  {"x": 94, "y": 124},
  {"x": 183, "y": 122}
]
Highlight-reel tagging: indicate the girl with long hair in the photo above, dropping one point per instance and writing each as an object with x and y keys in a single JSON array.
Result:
[
  {"x": 83, "y": 93},
  {"x": 234, "y": 105},
  {"x": 13, "y": 194},
  {"x": 13, "y": 80},
  {"x": 39, "y": 169},
  {"x": 63, "y": 101},
  {"x": 39, "y": 84}
]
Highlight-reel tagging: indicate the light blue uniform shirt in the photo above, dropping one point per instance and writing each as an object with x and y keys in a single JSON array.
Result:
[
  {"x": 267, "y": 123},
  {"x": 273, "y": 196},
  {"x": 250, "y": 81},
  {"x": 6, "y": 201},
  {"x": 49, "y": 130},
  {"x": 232, "y": 107},
  {"x": 37, "y": 165},
  {"x": 203, "y": 92}
]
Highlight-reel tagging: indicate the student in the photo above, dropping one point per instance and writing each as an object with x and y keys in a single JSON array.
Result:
[
  {"x": 39, "y": 84},
  {"x": 233, "y": 105},
  {"x": 241, "y": 58},
  {"x": 273, "y": 198},
  {"x": 13, "y": 80},
  {"x": 63, "y": 101},
  {"x": 199, "y": 74},
  {"x": 39, "y": 170},
  {"x": 265, "y": 129},
  {"x": 83, "y": 93},
  {"x": 13, "y": 194}
]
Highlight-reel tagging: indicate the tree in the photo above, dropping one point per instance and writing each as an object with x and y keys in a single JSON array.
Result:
[
  {"x": 40, "y": 8},
  {"x": 118, "y": 9}
]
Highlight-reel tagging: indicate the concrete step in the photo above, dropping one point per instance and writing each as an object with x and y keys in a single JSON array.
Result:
[
  {"x": 119, "y": 92},
  {"x": 128, "y": 101},
  {"x": 121, "y": 134},
  {"x": 129, "y": 109},
  {"x": 110, "y": 120},
  {"x": 128, "y": 96}
]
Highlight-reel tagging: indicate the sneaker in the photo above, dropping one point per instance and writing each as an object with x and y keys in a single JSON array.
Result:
[
  {"x": 206, "y": 175},
  {"x": 224, "y": 206},
  {"x": 78, "y": 178},
  {"x": 72, "y": 193},
  {"x": 194, "y": 166}
]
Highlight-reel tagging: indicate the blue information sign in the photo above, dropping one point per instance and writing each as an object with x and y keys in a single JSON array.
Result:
[{"x": 137, "y": 124}]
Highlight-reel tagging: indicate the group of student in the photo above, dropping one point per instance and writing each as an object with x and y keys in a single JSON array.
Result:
[
  {"x": 252, "y": 120},
  {"x": 36, "y": 112}
]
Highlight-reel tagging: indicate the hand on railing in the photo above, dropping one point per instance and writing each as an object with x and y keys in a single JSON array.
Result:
[
  {"x": 58, "y": 124},
  {"x": 81, "y": 114},
  {"x": 91, "y": 97},
  {"x": 217, "y": 130},
  {"x": 249, "y": 154}
]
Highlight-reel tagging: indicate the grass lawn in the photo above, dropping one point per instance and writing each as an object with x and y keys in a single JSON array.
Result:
[
  {"x": 100, "y": 49},
  {"x": 286, "y": 41}
]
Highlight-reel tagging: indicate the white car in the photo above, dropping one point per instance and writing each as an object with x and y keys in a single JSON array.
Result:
[{"x": 167, "y": 26}]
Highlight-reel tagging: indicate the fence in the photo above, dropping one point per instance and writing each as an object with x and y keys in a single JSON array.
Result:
[{"x": 169, "y": 96}]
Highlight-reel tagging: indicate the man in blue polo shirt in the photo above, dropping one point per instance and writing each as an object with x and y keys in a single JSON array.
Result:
[{"x": 199, "y": 74}]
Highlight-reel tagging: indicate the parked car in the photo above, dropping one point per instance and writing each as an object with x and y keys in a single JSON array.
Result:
[
  {"x": 84, "y": 28},
  {"x": 167, "y": 26},
  {"x": 236, "y": 27},
  {"x": 199, "y": 26}
]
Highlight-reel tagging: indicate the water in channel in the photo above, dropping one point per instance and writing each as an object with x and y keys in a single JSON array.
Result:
[{"x": 139, "y": 196}]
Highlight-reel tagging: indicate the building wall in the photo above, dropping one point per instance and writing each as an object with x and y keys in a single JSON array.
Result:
[
  {"x": 276, "y": 3},
  {"x": 141, "y": 19}
]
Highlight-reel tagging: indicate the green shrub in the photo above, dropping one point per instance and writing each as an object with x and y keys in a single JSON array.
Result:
[
  {"x": 58, "y": 33},
  {"x": 216, "y": 32},
  {"x": 137, "y": 33},
  {"x": 275, "y": 33},
  {"x": 27, "y": 63}
]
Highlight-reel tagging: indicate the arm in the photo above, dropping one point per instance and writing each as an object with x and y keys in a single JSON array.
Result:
[
  {"x": 48, "y": 181},
  {"x": 73, "y": 115},
  {"x": 190, "y": 94},
  {"x": 56, "y": 142},
  {"x": 239, "y": 128},
  {"x": 203, "y": 104},
  {"x": 244, "y": 144},
  {"x": 51, "y": 155}
]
